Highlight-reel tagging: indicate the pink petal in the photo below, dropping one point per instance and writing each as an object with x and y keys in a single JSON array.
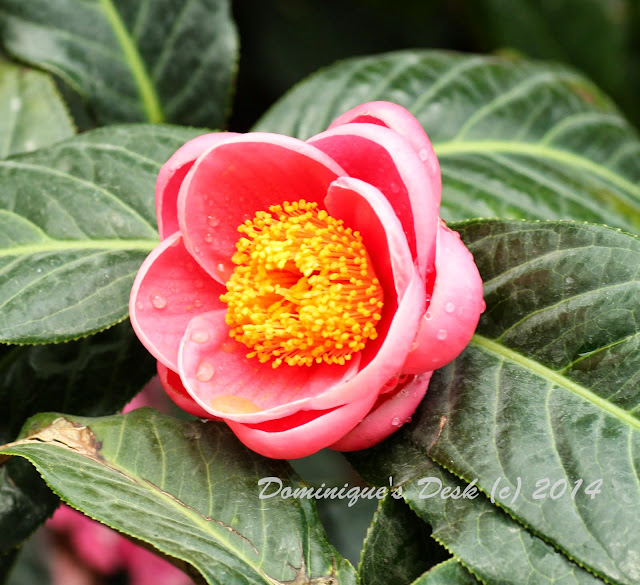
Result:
[
  {"x": 172, "y": 174},
  {"x": 224, "y": 382},
  {"x": 401, "y": 121},
  {"x": 305, "y": 434},
  {"x": 453, "y": 313},
  {"x": 233, "y": 180},
  {"x": 169, "y": 290},
  {"x": 386, "y": 160},
  {"x": 175, "y": 390},
  {"x": 364, "y": 208},
  {"x": 389, "y": 413}
]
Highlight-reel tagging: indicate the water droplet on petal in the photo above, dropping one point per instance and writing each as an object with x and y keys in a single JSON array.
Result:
[
  {"x": 208, "y": 238},
  {"x": 199, "y": 336},
  {"x": 414, "y": 346},
  {"x": 483, "y": 306},
  {"x": 423, "y": 153},
  {"x": 395, "y": 422},
  {"x": 394, "y": 187},
  {"x": 427, "y": 316},
  {"x": 449, "y": 307},
  {"x": 197, "y": 303},
  {"x": 427, "y": 297},
  {"x": 408, "y": 419},
  {"x": 139, "y": 306},
  {"x": 196, "y": 249},
  {"x": 205, "y": 372},
  {"x": 213, "y": 220},
  {"x": 442, "y": 334},
  {"x": 158, "y": 301}
]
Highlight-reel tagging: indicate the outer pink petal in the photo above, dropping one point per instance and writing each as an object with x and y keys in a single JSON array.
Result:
[
  {"x": 236, "y": 178},
  {"x": 456, "y": 304},
  {"x": 303, "y": 439},
  {"x": 169, "y": 290},
  {"x": 175, "y": 390},
  {"x": 402, "y": 121},
  {"x": 224, "y": 382},
  {"x": 172, "y": 174},
  {"x": 364, "y": 208},
  {"x": 386, "y": 160},
  {"x": 387, "y": 415}
]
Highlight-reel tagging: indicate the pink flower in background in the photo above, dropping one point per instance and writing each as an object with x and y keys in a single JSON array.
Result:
[
  {"x": 95, "y": 548},
  {"x": 303, "y": 292}
]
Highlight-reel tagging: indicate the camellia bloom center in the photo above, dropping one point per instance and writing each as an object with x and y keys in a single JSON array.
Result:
[{"x": 304, "y": 290}]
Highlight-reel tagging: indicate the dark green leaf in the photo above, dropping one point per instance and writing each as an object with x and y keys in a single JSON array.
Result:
[
  {"x": 449, "y": 572},
  {"x": 490, "y": 543},
  {"x": 398, "y": 547},
  {"x": 153, "y": 61},
  {"x": 76, "y": 221},
  {"x": 515, "y": 139},
  {"x": 32, "y": 113},
  {"x": 546, "y": 397},
  {"x": 189, "y": 489},
  {"x": 92, "y": 376}
]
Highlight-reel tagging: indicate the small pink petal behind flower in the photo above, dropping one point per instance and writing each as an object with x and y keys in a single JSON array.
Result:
[{"x": 454, "y": 310}]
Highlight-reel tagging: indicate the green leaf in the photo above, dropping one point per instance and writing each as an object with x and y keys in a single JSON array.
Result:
[
  {"x": 398, "y": 547},
  {"x": 450, "y": 572},
  {"x": 515, "y": 139},
  {"x": 32, "y": 113},
  {"x": 76, "y": 221},
  {"x": 154, "y": 61},
  {"x": 63, "y": 377},
  {"x": 492, "y": 545},
  {"x": 546, "y": 396},
  {"x": 190, "y": 490}
]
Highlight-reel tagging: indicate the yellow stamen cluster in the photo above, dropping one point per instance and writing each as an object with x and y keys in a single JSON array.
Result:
[{"x": 304, "y": 290}]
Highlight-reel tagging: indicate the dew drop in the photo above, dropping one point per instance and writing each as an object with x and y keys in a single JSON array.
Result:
[
  {"x": 158, "y": 301},
  {"x": 213, "y": 220},
  {"x": 427, "y": 297},
  {"x": 15, "y": 104},
  {"x": 414, "y": 346},
  {"x": 423, "y": 153},
  {"x": 408, "y": 419},
  {"x": 139, "y": 306},
  {"x": 205, "y": 372},
  {"x": 197, "y": 303},
  {"x": 483, "y": 306},
  {"x": 427, "y": 316},
  {"x": 568, "y": 280},
  {"x": 396, "y": 421},
  {"x": 196, "y": 249},
  {"x": 199, "y": 336},
  {"x": 208, "y": 238},
  {"x": 449, "y": 307},
  {"x": 442, "y": 334}
]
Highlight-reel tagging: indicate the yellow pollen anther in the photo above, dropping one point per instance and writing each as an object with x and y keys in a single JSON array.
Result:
[{"x": 304, "y": 290}]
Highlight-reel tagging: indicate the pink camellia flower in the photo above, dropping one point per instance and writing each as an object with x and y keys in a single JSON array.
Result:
[{"x": 303, "y": 292}]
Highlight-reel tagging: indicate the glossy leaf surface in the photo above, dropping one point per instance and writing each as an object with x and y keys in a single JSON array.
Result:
[
  {"x": 154, "y": 61},
  {"x": 189, "y": 489},
  {"x": 76, "y": 221}
]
